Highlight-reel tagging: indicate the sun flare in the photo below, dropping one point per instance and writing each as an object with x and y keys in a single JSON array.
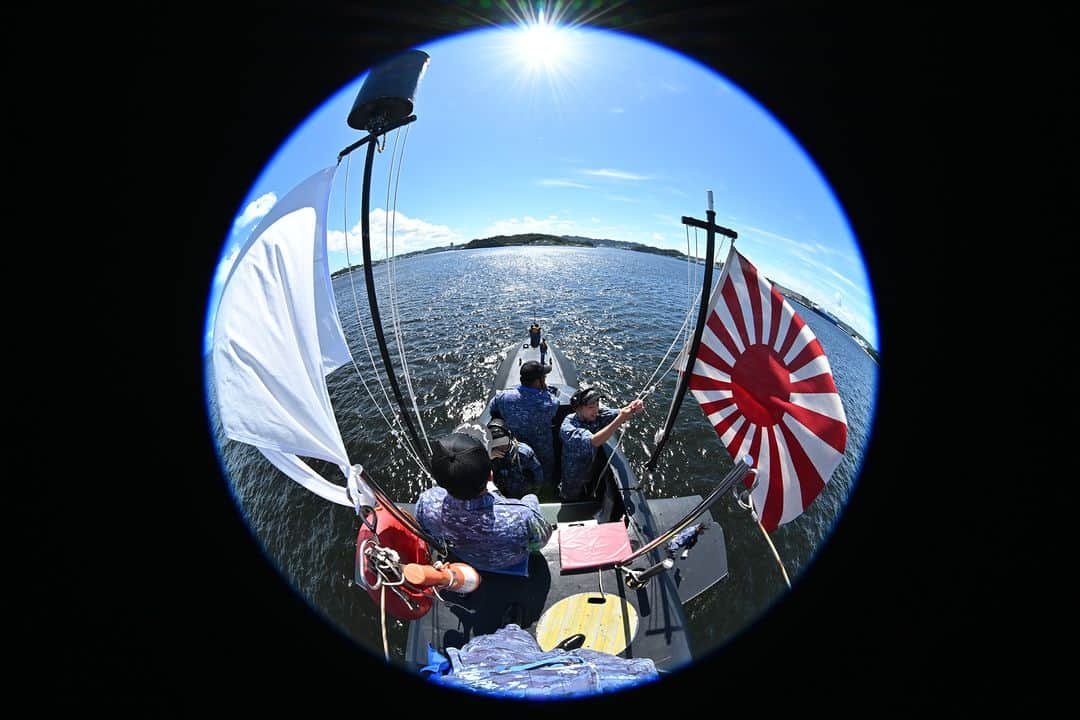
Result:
[
  {"x": 544, "y": 49},
  {"x": 541, "y": 44}
]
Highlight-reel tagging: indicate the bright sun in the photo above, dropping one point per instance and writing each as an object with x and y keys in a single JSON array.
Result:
[{"x": 541, "y": 43}]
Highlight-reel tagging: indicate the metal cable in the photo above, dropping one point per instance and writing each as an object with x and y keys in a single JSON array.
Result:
[
  {"x": 394, "y": 315},
  {"x": 399, "y": 434}
]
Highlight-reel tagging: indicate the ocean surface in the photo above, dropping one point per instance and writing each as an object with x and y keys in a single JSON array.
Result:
[{"x": 614, "y": 314}]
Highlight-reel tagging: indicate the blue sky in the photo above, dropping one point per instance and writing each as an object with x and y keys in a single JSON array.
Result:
[{"x": 579, "y": 132}]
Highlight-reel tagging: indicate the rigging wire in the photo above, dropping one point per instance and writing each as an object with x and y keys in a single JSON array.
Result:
[
  {"x": 686, "y": 326},
  {"x": 686, "y": 323},
  {"x": 651, "y": 387},
  {"x": 689, "y": 265},
  {"x": 391, "y": 228},
  {"x": 399, "y": 433},
  {"x": 356, "y": 307}
]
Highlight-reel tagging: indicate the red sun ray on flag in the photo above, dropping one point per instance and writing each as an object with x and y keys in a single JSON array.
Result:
[{"x": 764, "y": 383}]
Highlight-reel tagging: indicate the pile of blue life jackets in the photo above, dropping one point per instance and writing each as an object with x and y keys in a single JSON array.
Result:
[{"x": 510, "y": 663}]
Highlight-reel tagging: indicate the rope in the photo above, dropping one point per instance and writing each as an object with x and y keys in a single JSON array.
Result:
[
  {"x": 382, "y": 621},
  {"x": 776, "y": 555},
  {"x": 749, "y": 505}
]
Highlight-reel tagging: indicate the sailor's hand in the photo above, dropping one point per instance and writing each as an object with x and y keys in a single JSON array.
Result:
[{"x": 633, "y": 408}]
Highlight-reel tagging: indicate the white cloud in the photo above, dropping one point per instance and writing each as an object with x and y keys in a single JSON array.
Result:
[
  {"x": 622, "y": 198},
  {"x": 226, "y": 264},
  {"x": 658, "y": 237},
  {"x": 837, "y": 252},
  {"x": 563, "y": 183},
  {"x": 408, "y": 235},
  {"x": 617, "y": 174},
  {"x": 838, "y": 276},
  {"x": 618, "y": 110},
  {"x": 255, "y": 210},
  {"x": 806, "y": 247}
]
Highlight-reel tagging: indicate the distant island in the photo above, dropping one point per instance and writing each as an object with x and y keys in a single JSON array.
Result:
[
  {"x": 534, "y": 239},
  {"x": 542, "y": 239},
  {"x": 525, "y": 239}
]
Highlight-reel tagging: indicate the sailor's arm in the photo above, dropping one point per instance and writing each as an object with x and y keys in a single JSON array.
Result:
[
  {"x": 540, "y": 529},
  {"x": 529, "y": 463},
  {"x": 602, "y": 435}
]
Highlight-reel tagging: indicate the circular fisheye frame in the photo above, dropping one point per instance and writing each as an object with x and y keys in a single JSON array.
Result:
[{"x": 496, "y": 203}]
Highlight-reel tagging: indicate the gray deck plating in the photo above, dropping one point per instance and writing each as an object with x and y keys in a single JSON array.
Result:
[
  {"x": 661, "y": 633},
  {"x": 563, "y": 374},
  {"x": 501, "y": 599}
]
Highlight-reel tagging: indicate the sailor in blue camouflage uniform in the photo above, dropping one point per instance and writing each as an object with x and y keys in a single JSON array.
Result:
[
  {"x": 528, "y": 411},
  {"x": 482, "y": 527},
  {"x": 514, "y": 466},
  {"x": 582, "y": 431}
]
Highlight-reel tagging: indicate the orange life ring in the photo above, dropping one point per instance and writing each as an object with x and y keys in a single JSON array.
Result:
[{"x": 411, "y": 549}]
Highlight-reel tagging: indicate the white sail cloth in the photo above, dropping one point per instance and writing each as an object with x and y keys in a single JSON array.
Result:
[{"x": 277, "y": 337}]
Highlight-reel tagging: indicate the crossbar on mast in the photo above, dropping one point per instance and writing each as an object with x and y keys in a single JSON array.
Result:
[{"x": 711, "y": 229}]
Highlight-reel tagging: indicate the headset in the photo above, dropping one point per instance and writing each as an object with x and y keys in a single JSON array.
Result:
[{"x": 501, "y": 435}]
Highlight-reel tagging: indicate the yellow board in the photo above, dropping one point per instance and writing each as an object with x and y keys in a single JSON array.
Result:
[{"x": 608, "y": 622}]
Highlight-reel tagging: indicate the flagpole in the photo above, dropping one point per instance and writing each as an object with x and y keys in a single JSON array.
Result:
[{"x": 711, "y": 228}]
